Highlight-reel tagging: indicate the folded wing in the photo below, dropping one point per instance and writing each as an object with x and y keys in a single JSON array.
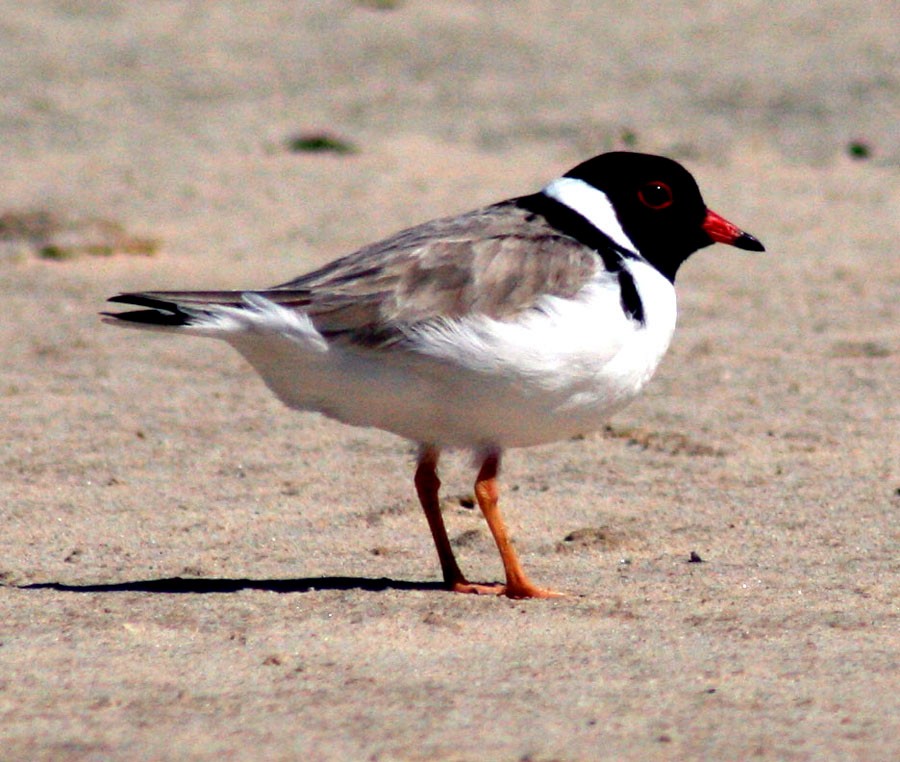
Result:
[{"x": 497, "y": 261}]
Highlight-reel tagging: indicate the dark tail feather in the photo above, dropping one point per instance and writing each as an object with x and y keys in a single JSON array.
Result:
[
  {"x": 151, "y": 317},
  {"x": 175, "y": 309},
  {"x": 161, "y": 312}
]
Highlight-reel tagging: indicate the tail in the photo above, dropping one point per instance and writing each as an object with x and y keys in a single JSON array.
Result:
[
  {"x": 219, "y": 314},
  {"x": 172, "y": 310}
]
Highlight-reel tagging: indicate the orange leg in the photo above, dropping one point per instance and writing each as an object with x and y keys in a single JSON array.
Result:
[
  {"x": 487, "y": 494},
  {"x": 427, "y": 487}
]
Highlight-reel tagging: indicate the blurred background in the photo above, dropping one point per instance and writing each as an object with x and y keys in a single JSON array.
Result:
[
  {"x": 222, "y": 144},
  {"x": 165, "y": 112}
]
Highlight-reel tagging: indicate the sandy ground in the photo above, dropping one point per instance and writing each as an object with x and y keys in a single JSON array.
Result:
[{"x": 191, "y": 571}]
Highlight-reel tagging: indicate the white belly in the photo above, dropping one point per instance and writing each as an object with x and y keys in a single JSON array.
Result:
[{"x": 557, "y": 371}]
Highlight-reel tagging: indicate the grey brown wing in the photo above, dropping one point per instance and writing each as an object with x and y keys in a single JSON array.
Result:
[{"x": 496, "y": 261}]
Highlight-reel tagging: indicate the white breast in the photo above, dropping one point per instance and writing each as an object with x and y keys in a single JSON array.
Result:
[{"x": 558, "y": 370}]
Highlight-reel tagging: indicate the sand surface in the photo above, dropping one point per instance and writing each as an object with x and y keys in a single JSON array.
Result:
[{"x": 192, "y": 572}]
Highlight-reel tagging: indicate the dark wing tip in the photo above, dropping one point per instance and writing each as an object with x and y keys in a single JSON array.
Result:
[
  {"x": 160, "y": 312},
  {"x": 143, "y": 300},
  {"x": 150, "y": 317}
]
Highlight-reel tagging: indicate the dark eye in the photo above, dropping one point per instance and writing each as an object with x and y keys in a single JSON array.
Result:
[{"x": 655, "y": 194}]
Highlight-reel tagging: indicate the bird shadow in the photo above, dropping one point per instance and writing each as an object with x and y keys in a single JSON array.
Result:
[{"x": 202, "y": 586}]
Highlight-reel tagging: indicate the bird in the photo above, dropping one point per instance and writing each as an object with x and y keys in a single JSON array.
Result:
[{"x": 520, "y": 323}]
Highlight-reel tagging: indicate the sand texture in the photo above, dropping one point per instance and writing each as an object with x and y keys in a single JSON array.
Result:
[{"x": 192, "y": 572}]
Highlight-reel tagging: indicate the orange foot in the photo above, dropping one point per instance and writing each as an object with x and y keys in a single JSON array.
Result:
[
  {"x": 520, "y": 590},
  {"x": 474, "y": 588},
  {"x": 527, "y": 590}
]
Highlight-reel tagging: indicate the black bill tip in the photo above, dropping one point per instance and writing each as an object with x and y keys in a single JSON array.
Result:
[{"x": 748, "y": 243}]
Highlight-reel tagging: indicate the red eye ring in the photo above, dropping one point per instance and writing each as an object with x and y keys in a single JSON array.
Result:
[{"x": 655, "y": 195}]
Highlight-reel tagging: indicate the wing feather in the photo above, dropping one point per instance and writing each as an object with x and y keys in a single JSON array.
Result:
[{"x": 496, "y": 261}]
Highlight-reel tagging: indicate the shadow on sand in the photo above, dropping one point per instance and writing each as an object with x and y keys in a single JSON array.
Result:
[{"x": 178, "y": 585}]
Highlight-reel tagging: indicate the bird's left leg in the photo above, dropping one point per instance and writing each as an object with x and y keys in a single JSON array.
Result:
[
  {"x": 427, "y": 486},
  {"x": 488, "y": 495}
]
